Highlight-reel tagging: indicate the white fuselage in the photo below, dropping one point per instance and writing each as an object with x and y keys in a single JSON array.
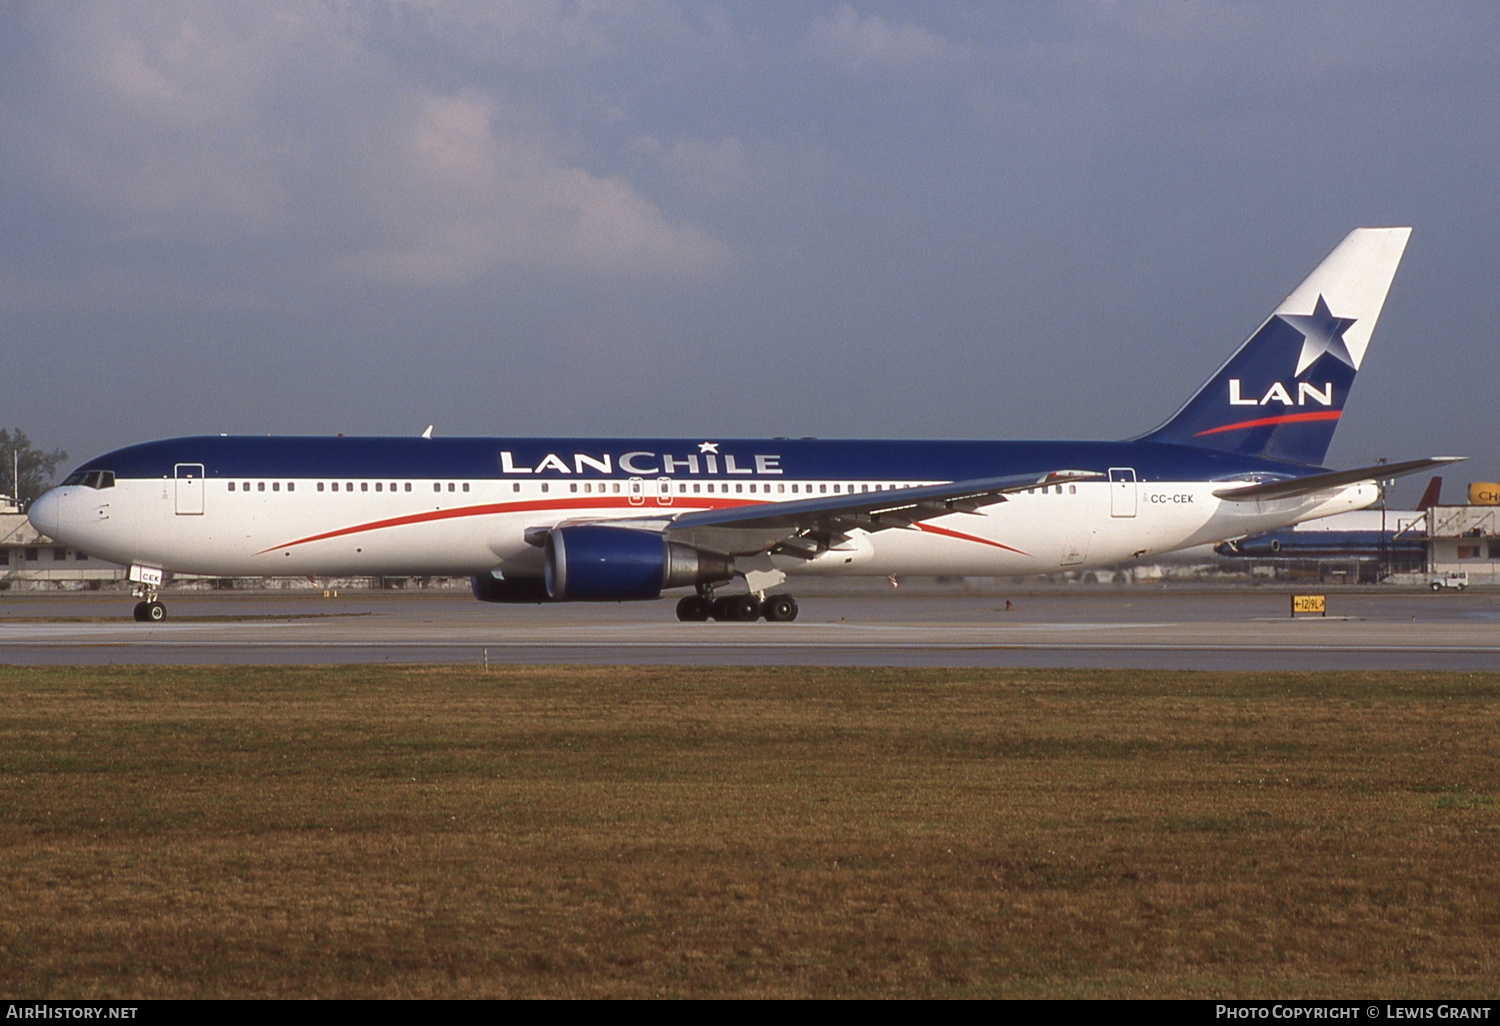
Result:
[{"x": 292, "y": 526}]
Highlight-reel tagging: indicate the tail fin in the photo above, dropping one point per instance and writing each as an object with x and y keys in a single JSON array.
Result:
[
  {"x": 1432, "y": 495},
  {"x": 1281, "y": 394}
]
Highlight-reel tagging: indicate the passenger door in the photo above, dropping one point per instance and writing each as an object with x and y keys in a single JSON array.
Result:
[
  {"x": 1122, "y": 491},
  {"x": 189, "y": 489}
]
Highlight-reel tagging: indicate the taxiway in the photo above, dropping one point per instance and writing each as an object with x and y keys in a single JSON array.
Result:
[{"x": 1131, "y": 627}]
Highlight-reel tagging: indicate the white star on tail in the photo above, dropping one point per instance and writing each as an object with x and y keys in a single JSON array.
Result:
[{"x": 1321, "y": 333}]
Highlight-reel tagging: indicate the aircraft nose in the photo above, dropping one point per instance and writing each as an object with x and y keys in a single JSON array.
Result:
[{"x": 43, "y": 513}]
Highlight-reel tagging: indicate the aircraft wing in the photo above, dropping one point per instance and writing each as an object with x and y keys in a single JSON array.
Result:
[
  {"x": 804, "y": 527},
  {"x": 1332, "y": 479}
]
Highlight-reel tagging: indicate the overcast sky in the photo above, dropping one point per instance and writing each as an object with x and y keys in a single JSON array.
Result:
[{"x": 970, "y": 220}]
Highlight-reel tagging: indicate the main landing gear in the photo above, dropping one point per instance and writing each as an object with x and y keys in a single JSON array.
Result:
[{"x": 742, "y": 608}]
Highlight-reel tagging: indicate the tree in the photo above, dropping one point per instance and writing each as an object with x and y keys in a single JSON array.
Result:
[{"x": 35, "y": 467}]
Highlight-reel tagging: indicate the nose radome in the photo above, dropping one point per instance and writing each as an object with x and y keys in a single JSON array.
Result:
[{"x": 43, "y": 513}]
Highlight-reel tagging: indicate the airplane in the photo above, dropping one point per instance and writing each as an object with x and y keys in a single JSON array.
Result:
[
  {"x": 1398, "y": 536},
  {"x": 587, "y": 519}
]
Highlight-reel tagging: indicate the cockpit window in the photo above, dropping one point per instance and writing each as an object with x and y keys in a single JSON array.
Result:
[{"x": 91, "y": 478}]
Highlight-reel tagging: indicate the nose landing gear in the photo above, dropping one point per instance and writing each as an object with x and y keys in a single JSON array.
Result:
[{"x": 147, "y": 581}]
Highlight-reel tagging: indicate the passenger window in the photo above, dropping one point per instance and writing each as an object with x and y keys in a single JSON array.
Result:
[
  {"x": 516, "y": 487},
  {"x": 275, "y": 486},
  {"x": 379, "y": 486},
  {"x": 466, "y": 486},
  {"x": 231, "y": 486},
  {"x": 436, "y": 487},
  {"x": 260, "y": 486},
  {"x": 364, "y": 486},
  {"x": 320, "y": 486}
]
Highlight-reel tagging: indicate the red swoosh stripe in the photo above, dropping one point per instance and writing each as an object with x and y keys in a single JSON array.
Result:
[
  {"x": 552, "y": 505},
  {"x": 930, "y": 529},
  {"x": 488, "y": 509},
  {"x": 1290, "y": 418}
]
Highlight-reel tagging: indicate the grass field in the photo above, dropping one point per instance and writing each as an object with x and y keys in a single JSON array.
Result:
[{"x": 434, "y": 832}]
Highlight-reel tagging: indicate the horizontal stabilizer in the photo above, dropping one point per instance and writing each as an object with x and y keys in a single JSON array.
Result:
[{"x": 1332, "y": 479}]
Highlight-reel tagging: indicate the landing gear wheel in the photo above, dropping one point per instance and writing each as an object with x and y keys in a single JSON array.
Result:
[
  {"x": 780, "y": 609},
  {"x": 150, "y": 612},
  {"x": 739, "y": 608},
  {"x": 693, "y": 608}
]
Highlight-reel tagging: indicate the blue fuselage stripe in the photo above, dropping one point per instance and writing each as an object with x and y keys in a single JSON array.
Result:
[{"x": 532, "y": 459}]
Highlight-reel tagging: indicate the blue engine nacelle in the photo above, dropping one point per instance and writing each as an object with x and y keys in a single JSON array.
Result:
[
  {"x": 488, "y": 588},
  {"x": 594, "y": 563}
]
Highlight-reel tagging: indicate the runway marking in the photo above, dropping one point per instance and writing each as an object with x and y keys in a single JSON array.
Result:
[{"x": 711, "y": 644}]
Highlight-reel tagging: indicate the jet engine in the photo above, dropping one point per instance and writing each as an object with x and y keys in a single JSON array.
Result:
[{"x": 595, "y": 563}]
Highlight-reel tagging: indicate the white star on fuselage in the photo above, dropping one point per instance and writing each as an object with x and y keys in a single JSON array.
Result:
[
  {"x": 708, "y": 447},
  {"x": 1322, "y": 332}
]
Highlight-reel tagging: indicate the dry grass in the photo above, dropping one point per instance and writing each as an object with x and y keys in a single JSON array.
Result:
[{"x": 701, "y": 832}]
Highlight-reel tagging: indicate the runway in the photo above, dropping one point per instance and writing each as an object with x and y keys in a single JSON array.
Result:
[{"x": 1130, "y": 627}]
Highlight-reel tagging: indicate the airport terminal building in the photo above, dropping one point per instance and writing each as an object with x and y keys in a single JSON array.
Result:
[{"x": 1465, "y": 539}]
